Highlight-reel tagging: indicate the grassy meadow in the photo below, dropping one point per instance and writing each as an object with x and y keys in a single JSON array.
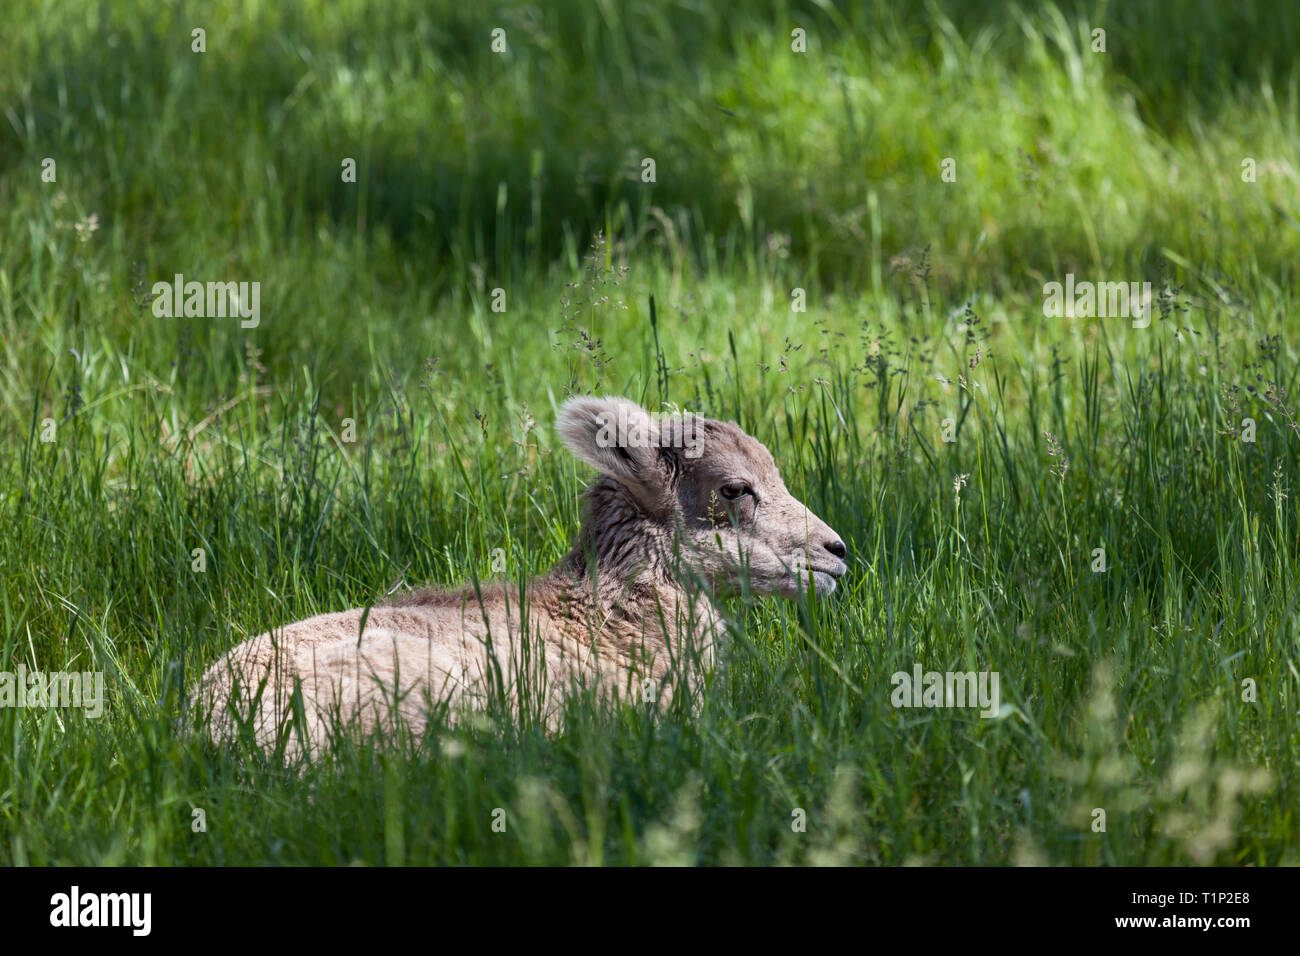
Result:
[{"x": 846, "y": 248}]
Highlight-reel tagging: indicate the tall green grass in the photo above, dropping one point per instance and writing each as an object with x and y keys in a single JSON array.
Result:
[{"x": 775, "y": 171}]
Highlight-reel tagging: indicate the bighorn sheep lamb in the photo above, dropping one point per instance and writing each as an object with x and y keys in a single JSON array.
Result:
[{"x": 684, "y": 508}]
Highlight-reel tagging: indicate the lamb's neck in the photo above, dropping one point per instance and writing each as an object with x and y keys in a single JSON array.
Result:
[{"x": 623, "y": 558}]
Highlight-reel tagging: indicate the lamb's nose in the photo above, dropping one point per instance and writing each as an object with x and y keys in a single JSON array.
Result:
[{"x": 837, "y": 548}]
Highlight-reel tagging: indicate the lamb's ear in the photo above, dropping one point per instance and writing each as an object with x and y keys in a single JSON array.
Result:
[{"x": 620, "y": 439}]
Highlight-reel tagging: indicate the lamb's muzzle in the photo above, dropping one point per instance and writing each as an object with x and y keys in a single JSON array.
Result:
[{"x": 685, "y": 508}]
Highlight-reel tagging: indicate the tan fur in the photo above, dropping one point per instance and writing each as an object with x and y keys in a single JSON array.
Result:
[{"x": 630, "y": 601}]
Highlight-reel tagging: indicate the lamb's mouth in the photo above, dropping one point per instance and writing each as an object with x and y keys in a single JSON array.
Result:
[{"x": 824, "y": 580}]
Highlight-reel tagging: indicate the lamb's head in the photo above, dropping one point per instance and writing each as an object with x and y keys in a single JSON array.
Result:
[{"x": 715, "y": 488}]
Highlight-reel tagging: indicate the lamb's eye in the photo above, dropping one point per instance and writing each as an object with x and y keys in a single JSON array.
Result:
[{"x": 737, "y": 490}]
